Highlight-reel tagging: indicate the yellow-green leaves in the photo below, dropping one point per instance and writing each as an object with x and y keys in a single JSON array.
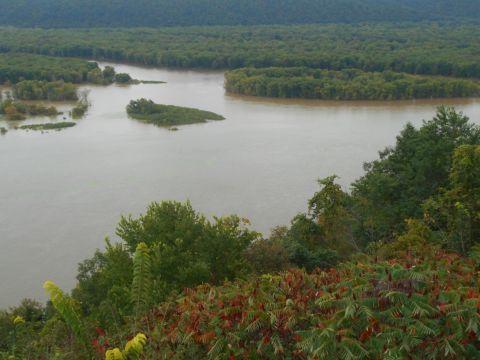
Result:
[
  {"x": 18, "y": 320},
  {"x": 135, "y": 346},
  {"x": 142, "y": 279},
  {"x": 66, "y": 307},
  {"x": 114, "y": 354},
  {"x": 133, "y": 349}
]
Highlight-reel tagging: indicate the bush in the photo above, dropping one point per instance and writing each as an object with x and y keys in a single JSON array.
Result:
[
  {"x": 419, "y": 307},
  {"x": 123, "y": 78}
]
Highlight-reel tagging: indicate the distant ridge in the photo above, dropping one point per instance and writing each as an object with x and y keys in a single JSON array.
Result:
[{"x": 156, "y": 13}]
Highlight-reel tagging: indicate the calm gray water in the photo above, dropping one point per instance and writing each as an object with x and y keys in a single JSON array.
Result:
[{"x": 62, "y": 192}]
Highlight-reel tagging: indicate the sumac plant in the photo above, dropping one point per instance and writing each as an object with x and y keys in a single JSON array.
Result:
[{"x": 416, "y": 307}]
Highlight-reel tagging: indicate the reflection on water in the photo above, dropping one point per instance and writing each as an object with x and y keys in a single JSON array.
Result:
[{"x": 62, "y": 192}]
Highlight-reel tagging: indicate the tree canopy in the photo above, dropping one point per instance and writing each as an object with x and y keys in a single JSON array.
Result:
[
  {"x": 153, "y": 13},
  {"x": 346, "y": 84},
  {"x": 448, "y": 49}
]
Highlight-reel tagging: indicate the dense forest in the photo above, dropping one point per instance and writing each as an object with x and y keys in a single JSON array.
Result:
[
  {"x": 389, "y": 270},
  {"x": 154, "y": 13},
  {"x": 426, "y": 48},
  {"x": 382, "y": 51},
  {"x": 348, "y": 84},
  {"x": 17, "y": 67},
  {"x": 39, "y": 77}
]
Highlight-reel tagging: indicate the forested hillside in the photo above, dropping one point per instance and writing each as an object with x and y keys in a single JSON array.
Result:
[{"x": 125, "y": 13}]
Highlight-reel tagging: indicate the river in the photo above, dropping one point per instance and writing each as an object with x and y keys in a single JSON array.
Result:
[{"x": 62, "y": 192}]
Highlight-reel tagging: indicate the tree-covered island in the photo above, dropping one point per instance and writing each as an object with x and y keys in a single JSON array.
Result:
[
  {"x": 347, "y": 84},
  {"x": 168, "y": 115}
]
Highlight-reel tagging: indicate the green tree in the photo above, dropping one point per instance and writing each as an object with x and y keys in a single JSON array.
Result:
[
  {"x": 168, "y": 248},
  {"x": 455, "y": 212},
  {"x": 103, "y": 285},
  {"x": 123, "y": 78},
  {"x": 108, "y": 74},
  {"x": 331, "y": 208},
  {"x": 186, "y": 248},
  {"x": 395, "y": 186}
]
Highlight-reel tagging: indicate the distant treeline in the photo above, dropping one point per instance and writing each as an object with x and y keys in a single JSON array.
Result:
[
  {"x": 347, "y": 84},
  {"x": 426, "y": 48},
  {"x": 154, "y": 13},
  {"x": 16, "y": 67}
]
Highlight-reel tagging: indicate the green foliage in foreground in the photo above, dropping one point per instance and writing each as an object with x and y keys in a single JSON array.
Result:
[
  {"x": 184, "y": 249},
  {"x": 406, "y": 175},
  {"x": 133, "y": 349},
  {"x": 348, "y": 84},
  {"x": 422, "y": 305},
  {"x": 449, "y": 49},
  {"x": 66, "y": 307},
  {"x": 167, "y": 115},
  {"x": 454, "y": 211},
  {"x": 408, "y": 300},
  {"x": 48, "y": 126}
]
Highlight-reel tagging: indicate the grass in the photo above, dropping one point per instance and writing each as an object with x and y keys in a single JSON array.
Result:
[{"x": 151, "y": 82}]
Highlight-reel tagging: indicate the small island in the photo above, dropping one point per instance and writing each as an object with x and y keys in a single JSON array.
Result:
[
  {"x": 16, "y": 110},
  {"x": 168, "y": 115},
  {"x": 48, "y": 126}
]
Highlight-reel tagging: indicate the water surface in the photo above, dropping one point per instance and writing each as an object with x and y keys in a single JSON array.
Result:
[{"x": 62, "y": 192}]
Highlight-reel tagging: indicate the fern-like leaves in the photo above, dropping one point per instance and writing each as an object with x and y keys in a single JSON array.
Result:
[
  {"x": 142, "y": 280},
  {"x": 65, "y": 306}
]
